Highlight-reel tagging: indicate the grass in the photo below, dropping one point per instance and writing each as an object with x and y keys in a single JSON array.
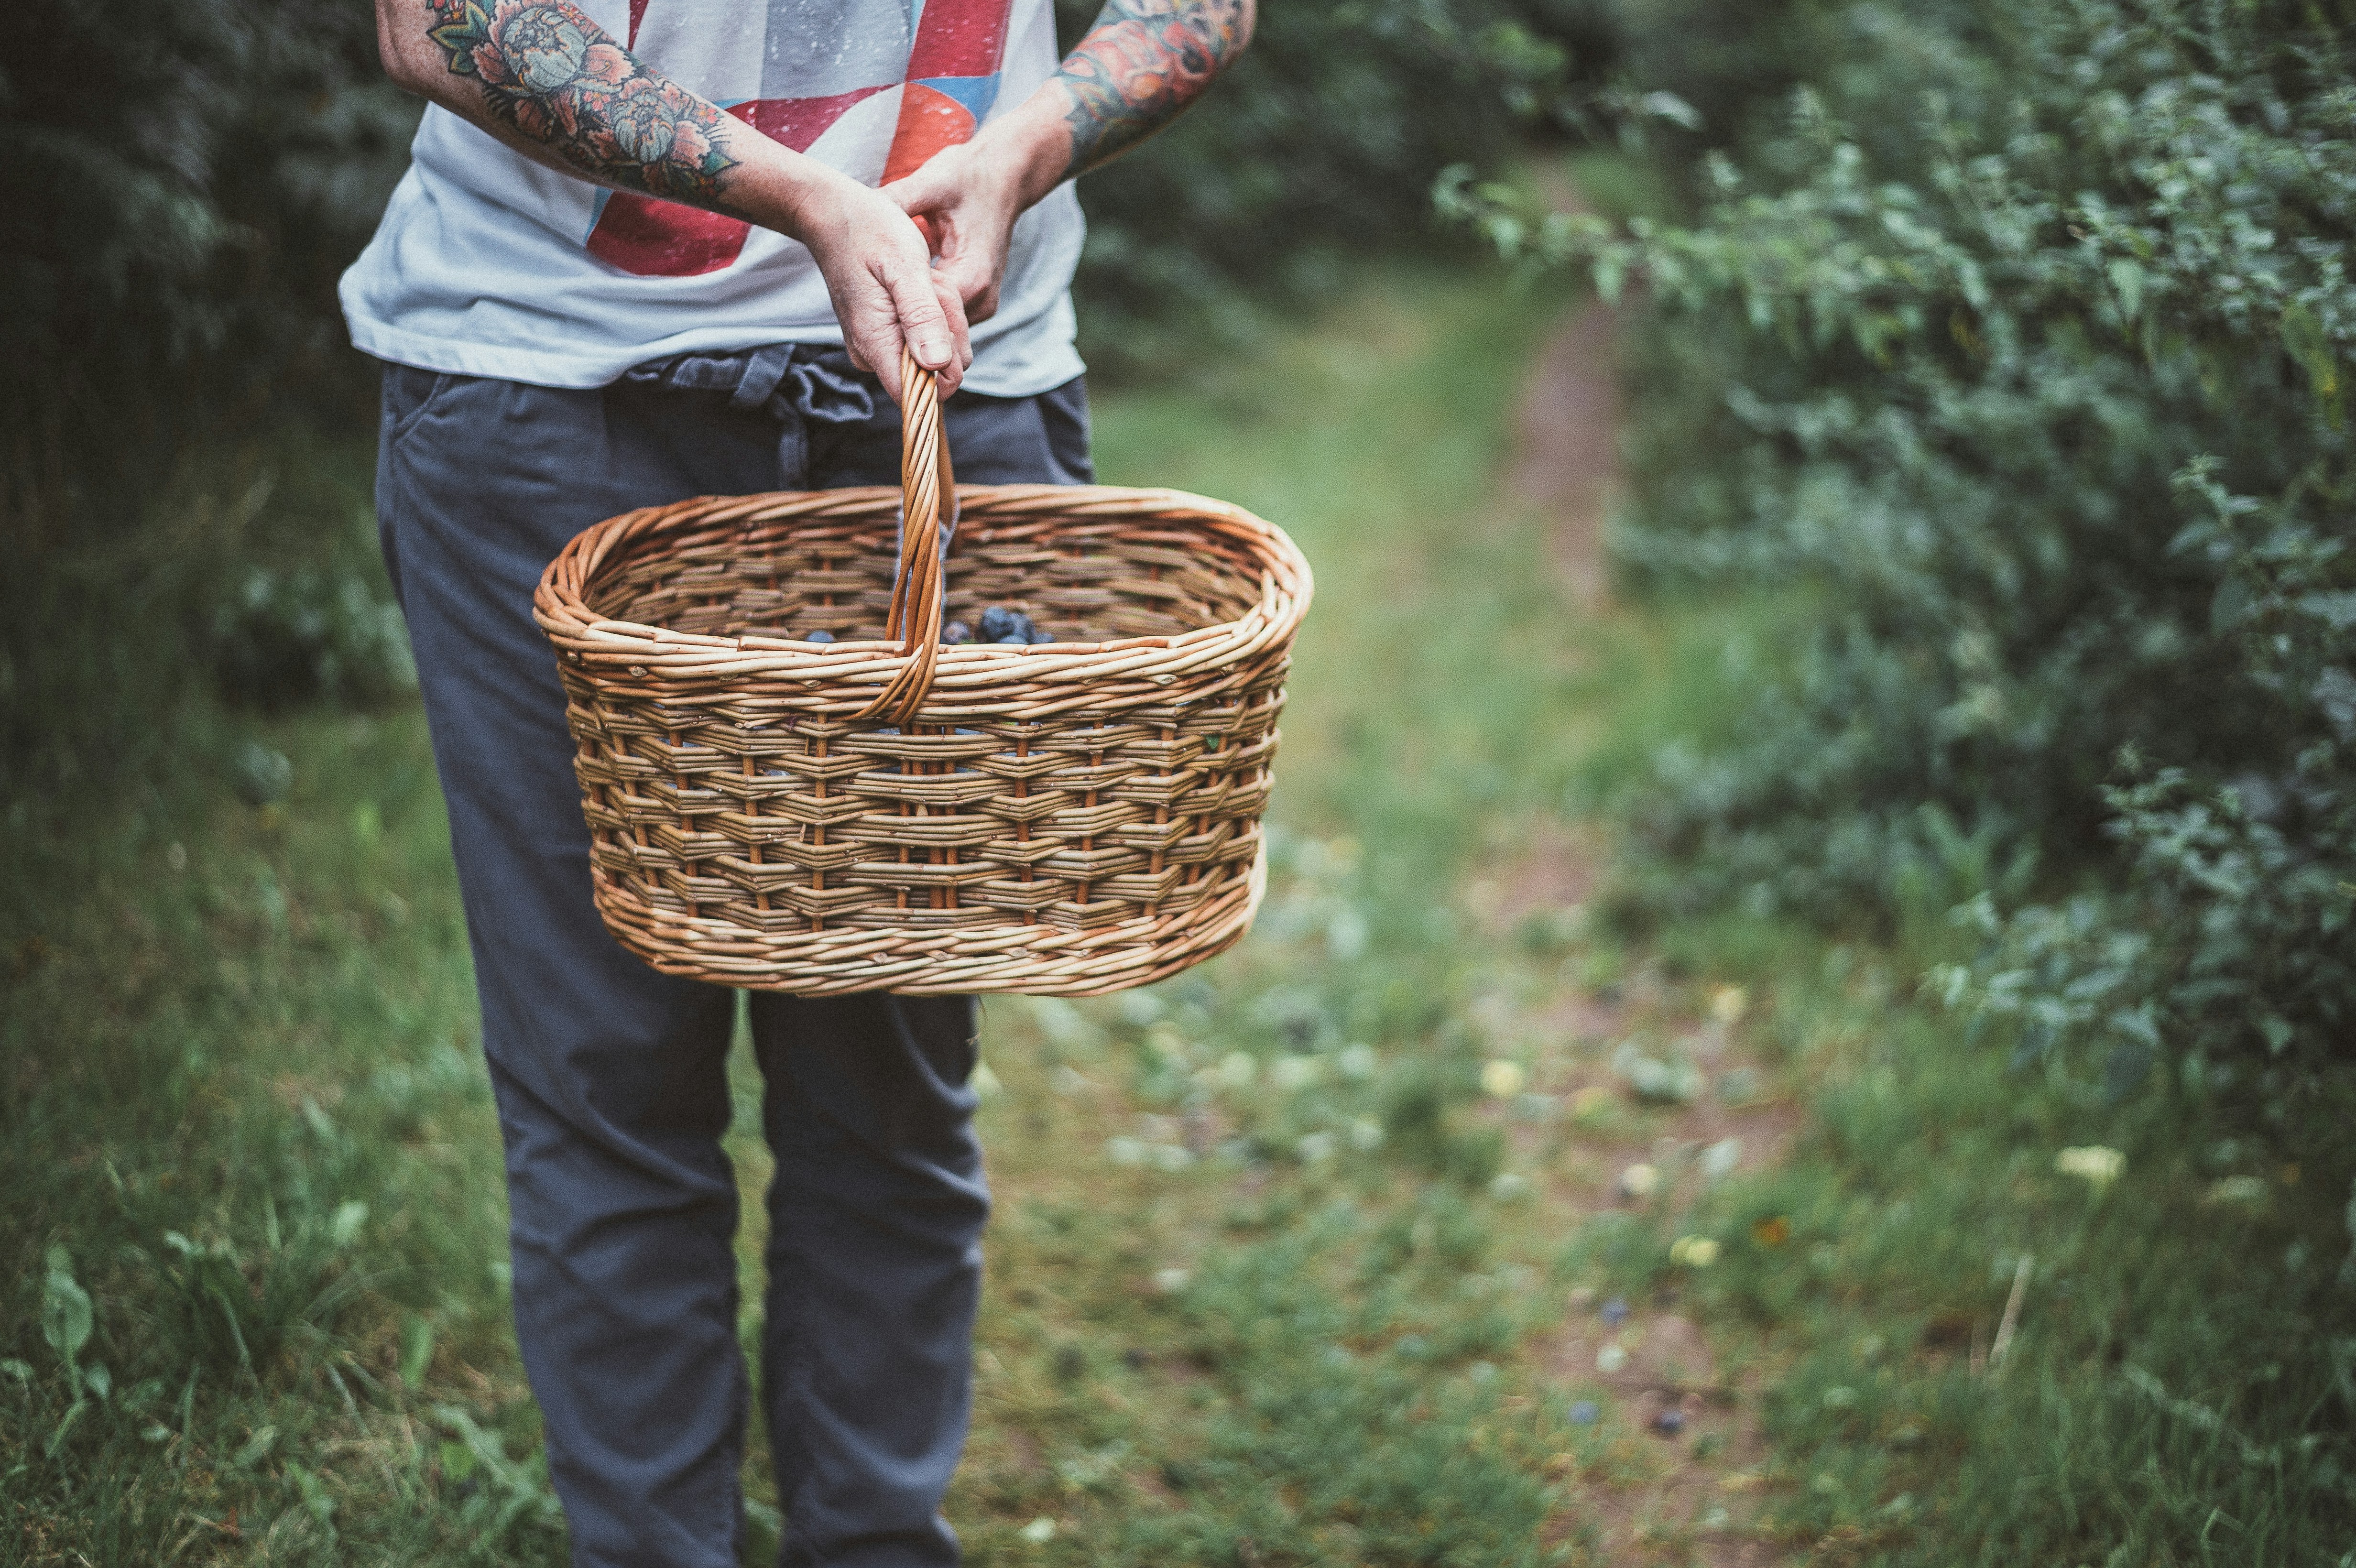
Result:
[{"x": 1298, "y": 1259}]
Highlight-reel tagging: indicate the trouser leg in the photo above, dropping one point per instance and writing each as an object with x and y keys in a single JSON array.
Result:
[
  {"x": 609, "y": 1078},
  {"x": 874, "y": 1257}
]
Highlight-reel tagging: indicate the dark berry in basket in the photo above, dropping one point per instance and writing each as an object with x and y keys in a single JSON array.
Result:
[
  {"x": 998, "y": 623},
  {"x": 1670, "y": 1421},
  {"x": 957, "y": 631},
  {"x": 817, "y": 636},
  {"x": 1039, "y": 634},
  {"x": 1017, "y": 641}
]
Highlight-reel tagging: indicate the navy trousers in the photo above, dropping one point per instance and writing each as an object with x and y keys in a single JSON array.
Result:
[{"x": 609, "y": 1078}]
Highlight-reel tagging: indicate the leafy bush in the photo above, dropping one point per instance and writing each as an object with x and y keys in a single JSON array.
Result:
[
  {"x": 284, "y": 636},
  {"x": 196, "y": 176},
  {"x": 2036, "y": 393}
]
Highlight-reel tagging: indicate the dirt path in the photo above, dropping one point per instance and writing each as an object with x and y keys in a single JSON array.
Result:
[
  {"x": 1565, "y": 431},
  {"x": 1681, "y": 1485}
]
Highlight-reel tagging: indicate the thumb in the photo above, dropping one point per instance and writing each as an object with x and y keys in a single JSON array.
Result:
[{"x": 923, "y": 189}]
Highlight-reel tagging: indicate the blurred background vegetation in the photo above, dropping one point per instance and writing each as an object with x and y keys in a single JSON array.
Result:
[{"x": 1983, "y": 696}]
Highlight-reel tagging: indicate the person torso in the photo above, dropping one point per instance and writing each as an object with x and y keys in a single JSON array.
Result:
[{"x": 488, "y": 264}]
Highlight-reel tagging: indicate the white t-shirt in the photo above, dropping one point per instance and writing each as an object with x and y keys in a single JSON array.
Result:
[{"x": 488, "y": 264}]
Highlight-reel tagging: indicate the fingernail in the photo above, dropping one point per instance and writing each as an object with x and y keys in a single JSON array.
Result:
[{"x": 933, "y": 352}]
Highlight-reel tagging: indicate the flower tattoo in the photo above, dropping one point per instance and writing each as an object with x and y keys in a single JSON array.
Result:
[
  {"x": 558, "y": 77},
  {"x": 1142, "y": 62}
]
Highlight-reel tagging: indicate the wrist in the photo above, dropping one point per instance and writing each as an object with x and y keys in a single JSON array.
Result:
[
  {"x": 796, "y": 196},
  {"x": 1029, "y": 150}
]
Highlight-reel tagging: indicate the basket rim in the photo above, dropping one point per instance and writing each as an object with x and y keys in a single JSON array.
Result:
[{"x": 831, "y": 676}]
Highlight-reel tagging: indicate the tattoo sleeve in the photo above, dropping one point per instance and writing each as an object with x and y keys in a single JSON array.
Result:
[
  {"x": 561, "y": 80},
  {"x": 1142, "y": 62}
]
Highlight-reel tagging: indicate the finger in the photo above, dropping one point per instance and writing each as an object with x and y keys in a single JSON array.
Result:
[
  {"x": 953, "y": 307},
  {"x": 977, "y": 287},
  {"x": 936, "y": 337},
  {"x": 884, "y": 367},
  {"x": 871, "y": 334}
]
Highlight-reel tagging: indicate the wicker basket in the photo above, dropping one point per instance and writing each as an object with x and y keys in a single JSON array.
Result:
[{"x": 887, "y": 813}]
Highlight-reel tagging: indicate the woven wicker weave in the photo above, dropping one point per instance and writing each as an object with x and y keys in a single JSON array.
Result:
[{"x": 887, "y": 813}]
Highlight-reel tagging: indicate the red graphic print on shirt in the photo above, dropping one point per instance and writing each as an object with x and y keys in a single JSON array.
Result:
[{"x": 946, "y": 88}]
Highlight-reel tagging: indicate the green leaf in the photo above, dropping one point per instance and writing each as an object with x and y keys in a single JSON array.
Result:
[
  {"x": 317, "y": 1501},
  {"x": 345, "y": 1229},
  {"x": 257, "y": 1447},
  {"x": 2303, "y": 338},
  {"x": 416, "y": 1351},
  {"x": 66, "y": 1316},
  {"x": 58, "y": 1438},
  {"x": 457, "y": 1460},
  {"x": 1610, "y": 276},
  {"x": 2231, "y": 607},
  {"x": 2338, "y": 610},
  {"x": 1670, "y": 107},
  {"x": 2127, "y": 278}
]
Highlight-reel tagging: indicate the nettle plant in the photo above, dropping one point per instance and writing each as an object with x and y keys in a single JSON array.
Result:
[{"x": 2042, "y": 413}]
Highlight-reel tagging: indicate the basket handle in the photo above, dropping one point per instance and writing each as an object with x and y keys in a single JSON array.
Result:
[{"x": 920, "y": 586}]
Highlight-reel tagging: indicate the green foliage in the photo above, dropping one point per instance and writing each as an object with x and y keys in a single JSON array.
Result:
[
  {"x": 2037, "y": 384},
  {"x": 252, "y": 1166},
  {"x": 190, "y": 179},
  {"x": 2163, "y": 1379},
  {"x": 282, "y": 637}
]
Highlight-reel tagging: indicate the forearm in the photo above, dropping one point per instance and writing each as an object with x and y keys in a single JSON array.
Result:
[
  {"x": 548, "y": 82},
  {"x": 1136, "y": 69},
  {"x": 1139, "y": 68}
]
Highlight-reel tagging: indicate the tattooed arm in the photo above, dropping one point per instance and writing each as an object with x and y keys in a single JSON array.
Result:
[
  {"x": 1142, "y": 62},
  {"x": 1140, "y": 65},
  {"x": 546, "y": 81}
]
